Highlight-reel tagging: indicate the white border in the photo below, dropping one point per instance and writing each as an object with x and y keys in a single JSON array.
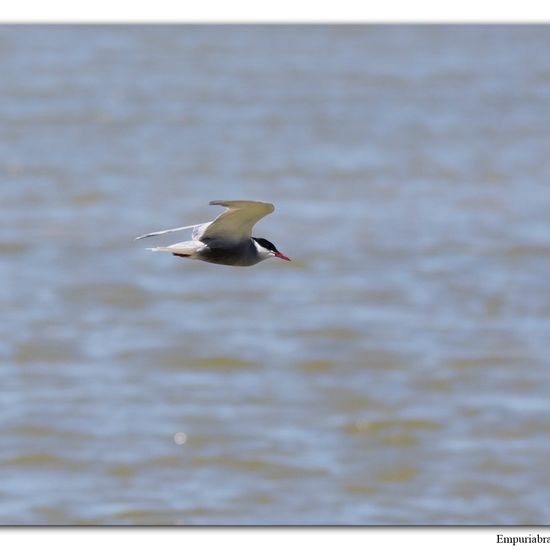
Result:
[
  {"x": 269, "y": 538},
  {"x": 282, "y": 11}
]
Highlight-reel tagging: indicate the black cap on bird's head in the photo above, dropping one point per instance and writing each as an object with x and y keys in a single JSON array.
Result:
[{"x": 271, "y": 247}]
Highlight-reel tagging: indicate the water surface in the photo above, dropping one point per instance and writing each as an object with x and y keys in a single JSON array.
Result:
[{"x": 396, "y": 372}]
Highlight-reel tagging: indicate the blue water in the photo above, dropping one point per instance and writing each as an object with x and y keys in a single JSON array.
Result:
[{"x": 395, "y": 372}]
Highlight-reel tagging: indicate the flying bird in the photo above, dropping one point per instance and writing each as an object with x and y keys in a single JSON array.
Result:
[{"x": 227, "y": 240}]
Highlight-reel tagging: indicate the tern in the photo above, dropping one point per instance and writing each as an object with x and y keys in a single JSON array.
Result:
[{"x": 227, "y": 240}]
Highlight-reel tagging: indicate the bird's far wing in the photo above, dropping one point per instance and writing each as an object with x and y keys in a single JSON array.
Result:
[
  {"x": 236, "y": 223},
  {"x": 197, "y": 231}
]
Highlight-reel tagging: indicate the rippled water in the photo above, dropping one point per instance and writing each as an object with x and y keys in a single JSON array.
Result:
[{"x": 396, "y": 372}]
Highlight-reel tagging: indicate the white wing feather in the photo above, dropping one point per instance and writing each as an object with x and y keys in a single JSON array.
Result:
[
  {"x": 236, "y": 223},
  {"x": 198, "y": 229}
]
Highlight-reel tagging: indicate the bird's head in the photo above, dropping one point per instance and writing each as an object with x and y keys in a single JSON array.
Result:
[{"x": 267, "y": 249}]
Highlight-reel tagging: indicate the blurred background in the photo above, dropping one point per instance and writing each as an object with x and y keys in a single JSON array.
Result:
[{"x": 396, "y": 372}]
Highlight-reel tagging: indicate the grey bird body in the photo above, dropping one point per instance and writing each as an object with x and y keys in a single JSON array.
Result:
[
  {"x": 218, "y": 251},
  {"x": 227, "y": 240}
]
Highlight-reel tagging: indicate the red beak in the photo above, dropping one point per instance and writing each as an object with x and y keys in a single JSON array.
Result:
[{"x": 282, "y": 256}]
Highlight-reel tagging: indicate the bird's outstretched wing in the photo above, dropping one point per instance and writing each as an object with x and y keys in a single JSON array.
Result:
[
  {"x": 198, "y": 229},
  {"x": 236, "y": 223}
]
